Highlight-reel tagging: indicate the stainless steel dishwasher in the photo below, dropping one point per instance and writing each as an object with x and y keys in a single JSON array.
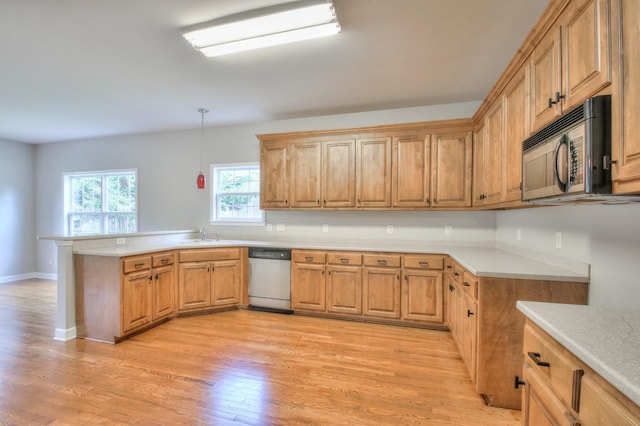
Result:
[{"x": 270, "y": 279}]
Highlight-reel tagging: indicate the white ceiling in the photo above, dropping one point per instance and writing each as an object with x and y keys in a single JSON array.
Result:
[{"x": 75, "y": 69}]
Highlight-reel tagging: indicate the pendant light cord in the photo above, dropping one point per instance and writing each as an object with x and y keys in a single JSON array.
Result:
[{"x": 202, "y": 111}]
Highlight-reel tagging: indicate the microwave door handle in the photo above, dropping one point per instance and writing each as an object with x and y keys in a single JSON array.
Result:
[{"x": 564, "y": 187}]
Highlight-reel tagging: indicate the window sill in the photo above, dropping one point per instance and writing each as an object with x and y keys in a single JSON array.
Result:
[{"x": 223, "y": 223}]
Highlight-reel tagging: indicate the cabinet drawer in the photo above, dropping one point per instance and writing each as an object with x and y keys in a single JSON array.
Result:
[
  {"x": 162, "y": 259},
  {"x": 470, "y": 284},
  {"x": 200, "y": 255},
  {"x": 599, "y": 407},
  {"x": 382, "y": 260},
  {"x": 549, "y": 359},
  {"x": 138, "y": 263},
  {"x": 424, "y": 261},
  {"x": 448, "y": 264},
  {"x": 541, "y": 406},
  {"x": 308, "y": 256},
  {"x": 344, "y": 258}
]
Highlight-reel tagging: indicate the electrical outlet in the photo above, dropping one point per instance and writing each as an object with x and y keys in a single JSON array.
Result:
[
  {"x": 558, "y": 239},
  {"x": 325, "y": 228},
  {"x": 280, "y": 227},
  {"x": 120, "y": 241},
  {"x": 389, "y": 229},
  {"x": 269, "y": 227},
  {"x": 518, "y": 234},
  {"x": 448, "y": 230}
]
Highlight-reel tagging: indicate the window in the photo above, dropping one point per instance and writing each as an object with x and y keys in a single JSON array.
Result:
[
  {"x": 235, "y": 193},
  {"x": 101, "y": 202}
]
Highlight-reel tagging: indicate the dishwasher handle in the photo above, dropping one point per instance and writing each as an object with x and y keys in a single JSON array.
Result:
[{"x": 271, "y": 253}]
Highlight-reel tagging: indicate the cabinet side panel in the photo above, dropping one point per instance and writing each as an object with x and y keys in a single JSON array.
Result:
[
  {"x": 97, "y": 297},
  {"x": 500, "y": 330}
]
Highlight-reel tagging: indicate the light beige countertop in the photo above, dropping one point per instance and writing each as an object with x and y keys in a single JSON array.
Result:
[
  {"x": 605, "y": 339},
  {"x": 482, "y": 261}
]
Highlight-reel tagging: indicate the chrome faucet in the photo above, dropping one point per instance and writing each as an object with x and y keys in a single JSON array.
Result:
[{"x": 203, "y": 234}]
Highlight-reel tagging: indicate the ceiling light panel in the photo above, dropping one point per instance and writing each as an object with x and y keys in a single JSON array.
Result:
[{"x": 265, "y": 27}]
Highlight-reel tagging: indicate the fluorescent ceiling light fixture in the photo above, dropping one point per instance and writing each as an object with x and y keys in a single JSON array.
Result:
[{"x": 269, "y": 26}]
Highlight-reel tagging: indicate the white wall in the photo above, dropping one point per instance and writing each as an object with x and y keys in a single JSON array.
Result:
[
  {"x": 607, "y": 237},
  {"x": 168, "y": 163},
  {"x": 17, "y": 211}
]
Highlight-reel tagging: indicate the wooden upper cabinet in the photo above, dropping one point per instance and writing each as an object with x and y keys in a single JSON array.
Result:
[
  {"x": 305, "y": 169},
  {"x": 572, "y": 62},
  {"x": 516, "y": 129},
  {"x": 339, "y": 173},
  {"x": 492, "y": 166},
  {"x": 479, "y": 152},
  {"x": 625, "y": 99},
  {"x": 451, "y": 168},
  {"x": 411, "y": 171},
  {"x": 274, "y": 175},
  {"x": 373, "y": 172}
]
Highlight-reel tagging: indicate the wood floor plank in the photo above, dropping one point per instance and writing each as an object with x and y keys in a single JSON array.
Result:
[{"x": 231, "y": 368}]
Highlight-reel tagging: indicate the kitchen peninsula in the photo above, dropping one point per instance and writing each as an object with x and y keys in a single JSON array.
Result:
[{"x": 476, "y": 289}]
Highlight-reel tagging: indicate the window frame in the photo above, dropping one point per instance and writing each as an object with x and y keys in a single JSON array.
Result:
[
  {"x": 213, "y": 219},
  {"x": 68, "y": 201}
]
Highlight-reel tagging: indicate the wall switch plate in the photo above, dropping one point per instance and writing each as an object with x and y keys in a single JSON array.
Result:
[
  {"x": 280, "y": 227},
  {"x": 558, "y": 239},
  {"x": 389, "y": 229},
  {"x": 269, "y": 227},
  {"x": 448, "y": 230},
  {"x": 325, "y": 228},
  {"x": 518, "y": 234},
  {"x": 120, "y": 241}
]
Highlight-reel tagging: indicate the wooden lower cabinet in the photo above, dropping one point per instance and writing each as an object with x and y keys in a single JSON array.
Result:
[
  {"x": 370, "y": 286},
  {"x": 116, "y": 297},
  {"x": 559, "y": 389},
  {"x": 487, "y": 327},
  {"x": 209, "y": 278}
]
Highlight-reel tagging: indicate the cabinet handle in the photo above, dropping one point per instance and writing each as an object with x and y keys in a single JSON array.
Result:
[
  {"x": 164, "y": 261},
  {"x": 423, "y": 263},
  {"x": 466, "y": 284},
  {"x": 308, "y": 258},
  {"x": 456, "y": 274},
  {"x": 517, "y": 382},
  {"x": 469, "y": 313},
  {"x": 138, "y": 265},
  {"x": 552, "y": 102},
  {"x": 318, "y": 201},
  {"x": 344, "y": 260},
  {"x": 535, "y": 356},
  {"x": 157, "y": 275},
  {"x": 325, "y": 202},
  {"x": 382, "y": 262},
  {"x": 449, "y": 267},
  {"x": 451, "y": 288},
  {"x": 559, "y": 97},
  {"x": 398, "y": 277},
  {"x": 286, "y": 201},
  {"x": 150, "y": 278},
  {"x": 427, "y": 201}
]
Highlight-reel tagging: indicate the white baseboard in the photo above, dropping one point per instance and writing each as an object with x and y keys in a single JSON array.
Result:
[
  {"x": 29, "y": 276},
  {"x": 65, "y": 335}
]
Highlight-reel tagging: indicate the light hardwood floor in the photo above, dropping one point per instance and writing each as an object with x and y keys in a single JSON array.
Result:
[{"x": 238, "y": 367}]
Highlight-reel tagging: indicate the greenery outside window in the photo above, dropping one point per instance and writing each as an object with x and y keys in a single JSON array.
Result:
[
  {"x": 101, "y": 202},
  {"x": 235, "y": 193}
]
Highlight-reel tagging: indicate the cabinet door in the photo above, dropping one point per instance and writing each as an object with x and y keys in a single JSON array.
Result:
[
  {"x": 469, "y": 335},
  {"x": 136, "y": 300},
  {"x": 411, "y": 171},
  {"x": 274, "y": 176},
  {"x": 163, "y": 291},
  {"x": 545, "y": 80},
  {"x": 373, "y": 172},
  {"x": 492, "y": 166},
  {"x": 344, "y": 289},
  {"x": 455, "y": 308},
  {"x": 422, "y": 296},
  {"x": 339, "y": 177},
  {"x": 479, "y": 176},
  {"x": 451, "y": 160},
  {"x": 308, "y": 290},
  {"x": 381, "y": 292},
  {"x": 305, "y": 174},
  {"x": 516, "y": 120},
  {"x": 625, "y": 103},
  {"x": 225, "y": 282},
  {"x": 540, "y": 406},
  {"x": 194, "y": 290},
  {"x": 585, "y": 50}
]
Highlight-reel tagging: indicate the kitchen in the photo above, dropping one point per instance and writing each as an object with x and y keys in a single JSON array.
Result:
[{"x": 603, "y": 236}]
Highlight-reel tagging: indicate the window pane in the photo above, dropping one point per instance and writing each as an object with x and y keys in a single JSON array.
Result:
[
  {"x": 236, "y": 195},
  {"x": 85, "y": 223},
  {"x": 121, "y": 193},
  {"x": 120, "y": 223},
  {"x": 87, "y": 194}
]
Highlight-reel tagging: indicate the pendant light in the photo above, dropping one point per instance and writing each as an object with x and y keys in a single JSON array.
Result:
[{"x": 201, "y": 181}]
